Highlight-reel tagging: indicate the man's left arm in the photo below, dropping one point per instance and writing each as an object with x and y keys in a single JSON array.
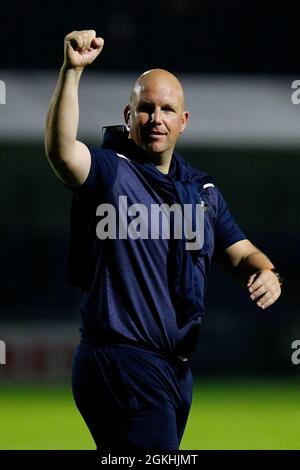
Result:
[{"x": 253, "y": 269}]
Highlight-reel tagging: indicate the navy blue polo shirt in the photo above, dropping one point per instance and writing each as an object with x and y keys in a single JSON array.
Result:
[{"x": 128, "y": 296}]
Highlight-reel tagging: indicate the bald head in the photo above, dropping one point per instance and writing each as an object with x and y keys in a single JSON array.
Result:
[
  {"x": 155, "y": 115},
  {"x": 159, "y": 79}
]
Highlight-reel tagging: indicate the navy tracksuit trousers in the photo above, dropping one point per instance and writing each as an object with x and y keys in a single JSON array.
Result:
[{"x": 130, "y": 397}]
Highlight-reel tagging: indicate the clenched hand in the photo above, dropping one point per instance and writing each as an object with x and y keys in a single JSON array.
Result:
[{"x": 82, "y": 48}]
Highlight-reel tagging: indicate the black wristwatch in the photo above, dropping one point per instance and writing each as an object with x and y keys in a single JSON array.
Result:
[{"x": 279, "y": 277}]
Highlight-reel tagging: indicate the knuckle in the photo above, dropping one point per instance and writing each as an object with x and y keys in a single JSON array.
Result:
[{"x": 72, "y": 33}]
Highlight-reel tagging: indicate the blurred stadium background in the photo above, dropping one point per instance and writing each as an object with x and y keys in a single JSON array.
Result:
[{"x": 237, "y": 64}]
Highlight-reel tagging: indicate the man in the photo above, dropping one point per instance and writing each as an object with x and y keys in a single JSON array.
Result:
[{"x": 142, "y": 285}]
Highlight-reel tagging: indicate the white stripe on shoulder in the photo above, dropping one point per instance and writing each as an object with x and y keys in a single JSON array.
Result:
[
  {"x": 122, "y": 156},
  {"x": 208, "y": 185}
]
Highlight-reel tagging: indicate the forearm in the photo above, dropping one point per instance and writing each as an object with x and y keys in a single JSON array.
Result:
[
  {"x": 63, "y": 115},
  {"x": 251, "y": 264},
  {"x": 243, "y": 259}
]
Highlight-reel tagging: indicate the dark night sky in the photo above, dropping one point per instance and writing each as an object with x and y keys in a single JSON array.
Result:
[{"x": 182, "y": 35}]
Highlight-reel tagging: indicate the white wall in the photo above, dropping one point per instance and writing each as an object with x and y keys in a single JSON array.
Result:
[{"x": 224, "y": 110}]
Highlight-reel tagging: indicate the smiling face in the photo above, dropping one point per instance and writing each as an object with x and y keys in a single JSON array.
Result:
[{"x": 156, "y": 115}]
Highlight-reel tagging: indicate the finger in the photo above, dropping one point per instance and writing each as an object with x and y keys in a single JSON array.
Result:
[
  {"x": 76, "y": 41},
  {"x": 259, "y": 292},
  {"x": 97, "y": 43},
  {"x": 80, "y": 40},
  {"x": 266, "y": 287},
  {"x": 71, "y": 36},
  {"x": 268, "y": 302},
  {"x": 250, "y": 280},
  {"x": 92, "y": 34},
  {"x": 88, "y": 36},
  {"x": 89, "y": 56},
  {"x": 264, "y": 298},
  {"x": 263, "y": 278},
  {"x": 84, "y": 43},
  {"x": 256, "y": 284}
]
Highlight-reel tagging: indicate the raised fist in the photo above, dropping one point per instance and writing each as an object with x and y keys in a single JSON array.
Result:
[{"x": 82, "y": 48}]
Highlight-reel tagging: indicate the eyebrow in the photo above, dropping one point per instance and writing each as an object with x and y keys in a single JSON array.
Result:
[{"x": 146, "y": 102}]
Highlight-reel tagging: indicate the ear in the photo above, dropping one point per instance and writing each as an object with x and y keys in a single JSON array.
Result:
[
  {"x": 184, "y": 120},
  {"x": 127, "y": 113}
]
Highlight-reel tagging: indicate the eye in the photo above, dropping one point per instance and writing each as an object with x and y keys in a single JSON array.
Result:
[
  {"x": 145, "y": 108},
  {"x": 168, "y": 108}
]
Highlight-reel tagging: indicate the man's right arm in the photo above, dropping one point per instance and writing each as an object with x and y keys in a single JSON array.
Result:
[{"x": 70, "y": 158}]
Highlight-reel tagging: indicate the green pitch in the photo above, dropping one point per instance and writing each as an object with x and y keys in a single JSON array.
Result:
[{"x": 225, "y": 415}]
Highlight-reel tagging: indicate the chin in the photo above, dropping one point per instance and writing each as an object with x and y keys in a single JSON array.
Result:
[{"x": 155, "y": 148}]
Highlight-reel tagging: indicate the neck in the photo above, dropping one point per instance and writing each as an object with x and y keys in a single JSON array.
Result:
[
  {"x": 161, "y": 161},
  {"x": 164, "y": 168}
]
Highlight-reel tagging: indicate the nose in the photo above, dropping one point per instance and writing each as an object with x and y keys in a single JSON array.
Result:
[{"x": 156, "y": 116}]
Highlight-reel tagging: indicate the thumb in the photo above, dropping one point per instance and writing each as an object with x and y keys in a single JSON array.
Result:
[{"x": 98, "y": 42}]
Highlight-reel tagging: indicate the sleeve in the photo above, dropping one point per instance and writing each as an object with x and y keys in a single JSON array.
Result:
[
  {"x": 102, "y": 173},
  {"x": 227, "y": 231}
]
